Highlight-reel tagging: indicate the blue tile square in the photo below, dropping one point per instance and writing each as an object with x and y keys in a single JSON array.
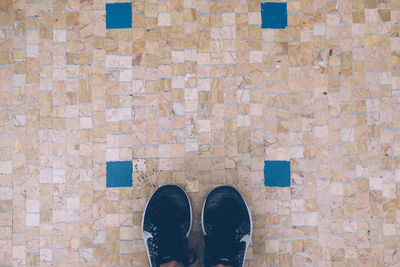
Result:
[
  {"x": 118, "y": 16},
  {"x": 274, "y": 15},
  {"x": 119, "y": 173},
  {"x": 277, "y": 173}
]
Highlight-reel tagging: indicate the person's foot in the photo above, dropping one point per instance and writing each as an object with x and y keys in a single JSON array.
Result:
[
  {"x": 226, "y": 223},
  {"x": 166, "y": 224}
]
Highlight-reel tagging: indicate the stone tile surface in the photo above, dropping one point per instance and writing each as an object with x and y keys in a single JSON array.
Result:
[{"x": 197, "y": 94}]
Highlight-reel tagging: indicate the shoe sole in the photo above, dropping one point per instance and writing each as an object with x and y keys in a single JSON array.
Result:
[
  {"x": 190, "y": 225},
  {"x": 248, "y": 210}
]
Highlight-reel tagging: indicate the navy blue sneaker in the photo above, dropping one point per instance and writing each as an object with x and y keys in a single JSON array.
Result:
[
  {"x": 227, "y": 226},
  {"x": 166, "y": 225}
]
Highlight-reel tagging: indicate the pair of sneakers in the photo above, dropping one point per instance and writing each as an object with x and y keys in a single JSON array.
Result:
[{"x": 225, "y": 220}]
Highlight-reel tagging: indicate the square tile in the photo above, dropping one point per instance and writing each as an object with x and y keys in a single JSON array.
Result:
[
  {"x": 277, "y": 173},
  {"x": 273, "y": 15},
  {"x": 119, "y": 173},
  {"x": 118, "y": 16}
]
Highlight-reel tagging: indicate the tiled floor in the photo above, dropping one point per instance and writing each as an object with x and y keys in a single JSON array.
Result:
[{"x": 198, "y": 94}]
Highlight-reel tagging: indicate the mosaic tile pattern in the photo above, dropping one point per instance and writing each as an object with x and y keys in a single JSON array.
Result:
[{"x": 197, "y": 94}]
